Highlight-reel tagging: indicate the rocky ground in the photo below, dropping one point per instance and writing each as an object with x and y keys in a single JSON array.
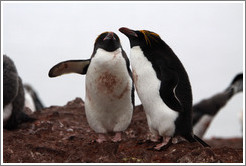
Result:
[{"x": 61, "y": 134}]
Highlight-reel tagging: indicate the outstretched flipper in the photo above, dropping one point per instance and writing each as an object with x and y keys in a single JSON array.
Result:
[{"x": 71, "y": 66}]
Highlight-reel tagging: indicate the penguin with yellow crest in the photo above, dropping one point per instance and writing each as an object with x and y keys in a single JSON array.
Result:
[{"x": 163, "y": 87}]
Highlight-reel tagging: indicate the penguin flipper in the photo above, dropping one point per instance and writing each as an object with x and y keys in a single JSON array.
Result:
[
  {"x": 70, "y": 66},
  {"x": 168, "y": 91}
]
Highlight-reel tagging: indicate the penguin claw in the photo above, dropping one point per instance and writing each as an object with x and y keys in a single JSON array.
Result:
[
  {"x": 167, "y": 141},
  {"x": 155, "y": 138},
  {"x": 117, "y": 137},
  {"x": 101, "y": 138}
]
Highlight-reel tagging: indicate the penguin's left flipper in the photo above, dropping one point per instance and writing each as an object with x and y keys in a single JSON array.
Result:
[
  {"x": 70, "y": 66},
  {"x": 168, "y": 94}
]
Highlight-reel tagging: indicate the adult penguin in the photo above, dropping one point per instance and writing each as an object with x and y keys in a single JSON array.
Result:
[
  {"x": 162, "y": 85},
  {"x": 109, "y": 100},
  {"x": 13, "y": 96}
]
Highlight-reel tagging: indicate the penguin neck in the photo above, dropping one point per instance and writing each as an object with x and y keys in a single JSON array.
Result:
[
  {"x": 100, "y": 53},
  {"x": 101, "y": 50}
]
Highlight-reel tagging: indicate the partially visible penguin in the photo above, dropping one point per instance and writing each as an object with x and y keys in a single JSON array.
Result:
[
  {"x": 109, "y": 100},
  {"x": 32, "y": 99},
  {"x": 163, "y": 87},
  {"x": 205, "y": 110},
  {"x": 13, "y": 96}
]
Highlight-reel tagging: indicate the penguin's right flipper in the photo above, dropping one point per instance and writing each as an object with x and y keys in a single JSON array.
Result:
[{"x": 70, "y": 66}]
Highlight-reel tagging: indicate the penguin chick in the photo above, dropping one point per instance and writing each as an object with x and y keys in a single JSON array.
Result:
[
  {"x": 32, "y": 99},
  {"x": 205, "y": 110},
  {"x": 109, "y": 100},
  {"x": 13, "y": 96},
  {"x": 162, "y": 85}
]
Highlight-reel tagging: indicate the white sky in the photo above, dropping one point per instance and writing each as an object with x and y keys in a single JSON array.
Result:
[{"x": 207, "y": 37}]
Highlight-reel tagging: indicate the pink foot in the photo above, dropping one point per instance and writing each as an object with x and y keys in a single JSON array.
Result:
[
  {"x": 155, "y": 138},
  {"x": 117, "y": 137},
  {"x": 165, "y": 142},
  {"x": 101, "y": 138}
]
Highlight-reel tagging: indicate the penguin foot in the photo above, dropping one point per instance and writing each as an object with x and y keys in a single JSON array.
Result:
[
  {"x": 155, "y": 138},
  {"x": 101, "y": 138},
  {"x": 117, "y": 137},
  {"x": 167, "y": 141},
  {"x": 177, "y": 139}
]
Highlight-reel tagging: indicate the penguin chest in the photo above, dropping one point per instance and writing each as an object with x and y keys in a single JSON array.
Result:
[
  {"x": 7, "y": 111},
  {"x": 107, "y": 82},
  {"x": 108, "y": 93},
  {"x": 108, "y": 77},
  {"x": 161, "y": 119}
]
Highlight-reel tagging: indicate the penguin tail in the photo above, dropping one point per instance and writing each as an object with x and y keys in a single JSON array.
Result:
[
  {"x": 38, "y": 104},
  {"x": 201, "y": 141},
  {"x": 195, "y": 138}
]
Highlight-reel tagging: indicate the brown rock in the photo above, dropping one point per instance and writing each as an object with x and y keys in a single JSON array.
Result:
[{"x": 62, "y": 134}]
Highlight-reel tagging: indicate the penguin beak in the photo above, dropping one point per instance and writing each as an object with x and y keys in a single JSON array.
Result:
[
  {"x": 128, "y": 32},
  {"x": 109, "y": 36}
]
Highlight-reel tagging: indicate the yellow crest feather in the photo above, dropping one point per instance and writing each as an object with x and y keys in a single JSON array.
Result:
[{"x": 148, "y": 34}]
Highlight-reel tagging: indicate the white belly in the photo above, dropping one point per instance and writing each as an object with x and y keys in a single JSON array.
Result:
[
  {"x": 108, "y": 102},
  {"x": 159, "y": 116},
  {"x": 7, "y": 111}
]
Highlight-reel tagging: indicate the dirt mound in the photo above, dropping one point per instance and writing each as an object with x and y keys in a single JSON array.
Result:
[{"x": 62, "y": 134}]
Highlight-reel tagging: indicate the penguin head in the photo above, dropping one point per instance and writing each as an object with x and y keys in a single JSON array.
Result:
[
  {"x": 142, "y": 38},
  {"x": 108, "y": 41}
]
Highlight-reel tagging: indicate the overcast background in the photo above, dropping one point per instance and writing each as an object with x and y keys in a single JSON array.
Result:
[{"x": 207, "y": 37}]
